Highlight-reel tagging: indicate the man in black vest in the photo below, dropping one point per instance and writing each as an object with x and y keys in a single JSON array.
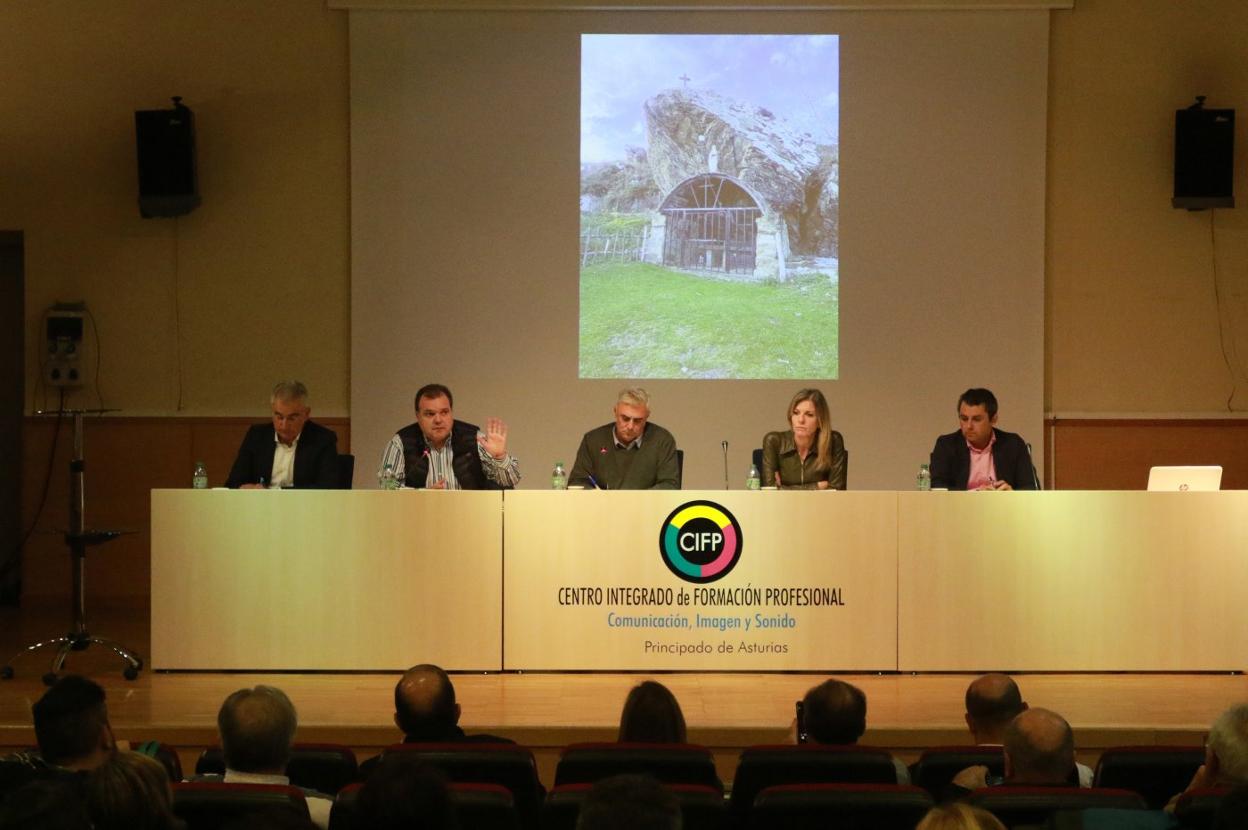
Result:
[{"x": 441, "y": 453}]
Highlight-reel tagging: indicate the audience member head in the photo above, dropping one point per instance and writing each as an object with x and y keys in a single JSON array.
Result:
[
  {"x": 130, "y": 791},
  {"x": 1226, "y": 751},
  {"x": 405, "y": 794},
  {"x": 652, "y": 715},
  {"x": 1039, "y": 749},
  {"x": 257, "y": 727},
  {"x": 45, "y": 804},
  {"x": 959, "y": 816},
  {"x": 992, "y": 701},
  {"x": 71, "y": 724},
  {"x": 835, "y": 713},
  {"x": 424, "y": 704},
  {"x": 629, "y": 802}
]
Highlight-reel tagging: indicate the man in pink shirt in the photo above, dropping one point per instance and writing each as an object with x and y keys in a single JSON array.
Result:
[{"x": 979, "y": 456}]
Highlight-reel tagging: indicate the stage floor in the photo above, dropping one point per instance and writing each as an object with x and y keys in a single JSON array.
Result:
[{"x": 905, "y": 713}]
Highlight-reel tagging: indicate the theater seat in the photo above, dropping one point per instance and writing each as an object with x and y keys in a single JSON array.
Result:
[
  {"x": 478, "y": 807},
  {"x": 1033, "y": 805},
  {"x": 326, "y": 768},
  {"x": 937, "y": 766},
  {"x": 840, "y": 807},
  {"x": 701, "y": 807},
  {"x": 1196, "y": 810},
  {"x": 1156, "y": 772},
  {"x": 586, "y": 763},
  {"x": 209, "y": 806},
  {"x": 507, "y": 765},
  {"x": 766, "y": 766}
]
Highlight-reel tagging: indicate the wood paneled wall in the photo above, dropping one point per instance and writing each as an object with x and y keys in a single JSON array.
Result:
[
  {"x": 125, "y": 459},
  {"x": 1116, "y": 454}
]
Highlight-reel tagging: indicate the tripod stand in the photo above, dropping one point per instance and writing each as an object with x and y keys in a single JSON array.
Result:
[{"x": 78, "y": 539}]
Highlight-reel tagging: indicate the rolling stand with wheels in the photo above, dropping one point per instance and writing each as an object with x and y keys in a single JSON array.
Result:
[{"x": 78, "y": 539}]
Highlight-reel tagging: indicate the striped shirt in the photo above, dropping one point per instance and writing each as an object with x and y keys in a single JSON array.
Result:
[{"x": 504, "y": 472}]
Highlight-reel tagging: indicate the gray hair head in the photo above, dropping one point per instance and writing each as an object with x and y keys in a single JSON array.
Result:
[
  {"x": 289, "y": 390},
  {"x": 1228, "y": 738}
]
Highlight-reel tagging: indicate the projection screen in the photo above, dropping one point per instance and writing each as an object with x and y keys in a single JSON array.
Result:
[{"x": 468, "y": 235}]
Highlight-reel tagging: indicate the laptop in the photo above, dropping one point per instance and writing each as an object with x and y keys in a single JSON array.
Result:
[{"x": 1185, "y": 479}]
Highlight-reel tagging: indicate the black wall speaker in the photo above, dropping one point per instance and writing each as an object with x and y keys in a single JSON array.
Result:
[
  {"x": 168, "y": 184},
  {"x": 1204, "y": 157}
]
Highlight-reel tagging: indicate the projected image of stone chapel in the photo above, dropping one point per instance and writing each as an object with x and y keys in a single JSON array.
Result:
[{"x": 709, "y": 205}]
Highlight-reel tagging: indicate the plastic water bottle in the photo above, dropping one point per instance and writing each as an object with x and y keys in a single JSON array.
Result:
[
  {"x": 387, "y": 479},
  {"x": 559, "y": 477},
  {"x": 924, "y": 478},
  {"x": 199, "y": 478},
  {"x": 752, "y": 481}
]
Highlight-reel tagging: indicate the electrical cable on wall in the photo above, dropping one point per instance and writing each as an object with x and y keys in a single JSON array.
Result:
[
  {"x": 1231, "y": 357},
  {"x": 177, "y": 314},
  {"x": 95, "y": 331}
]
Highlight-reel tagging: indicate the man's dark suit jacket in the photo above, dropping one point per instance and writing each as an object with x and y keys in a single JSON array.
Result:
[
  {"x": 453, "y": 735},
  {"x": 316, "y": 457},
  {"x": 951, "y": 461}
]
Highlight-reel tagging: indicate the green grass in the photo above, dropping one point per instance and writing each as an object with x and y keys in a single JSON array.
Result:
[{"x": 645, "y": 321}]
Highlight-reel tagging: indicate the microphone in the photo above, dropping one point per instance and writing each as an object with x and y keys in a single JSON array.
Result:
[
  {"x": 724, "y": 446},
  {"x": 1035, "y": 479}
]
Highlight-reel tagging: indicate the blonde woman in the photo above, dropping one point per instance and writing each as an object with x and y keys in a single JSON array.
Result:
[
  {"x": 810, "y": 455},
  {"x": 959, "y": 816}
]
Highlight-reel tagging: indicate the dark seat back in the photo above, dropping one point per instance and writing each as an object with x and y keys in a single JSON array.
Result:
[
  {"x": 1156, "y": 772},
  {"x": 701, "y": 807},
  {"x": 208, "y": 806},
  {"x": 1034, "y": 805},
  {"x": 586, "y": 763},
  {"x": 326, "y": 768},
  {"x": 346, "y": 471},
  {"x": 937, "y": 766},
  {"x": 507, "y": 765},
  {"x": 1195, "y": 810},
  {"x": 840, "y": 807},
  {"x": 766, "y": 766},
  {"x": 478, "y": 807}
]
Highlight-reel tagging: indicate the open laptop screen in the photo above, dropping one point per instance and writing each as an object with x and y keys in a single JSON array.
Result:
[{"x": 1185, "y": 478}]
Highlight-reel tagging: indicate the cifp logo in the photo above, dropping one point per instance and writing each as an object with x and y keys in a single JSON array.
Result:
[{"x": 700, "y": 541}]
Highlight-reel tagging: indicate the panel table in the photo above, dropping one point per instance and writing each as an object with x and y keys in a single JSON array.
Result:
[
  {"x": 814, "y": 588},
  {"x": 326, "y": 579}
]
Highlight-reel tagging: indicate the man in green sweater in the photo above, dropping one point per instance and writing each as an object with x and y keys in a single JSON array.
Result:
[{"x": 629, "y": 454}]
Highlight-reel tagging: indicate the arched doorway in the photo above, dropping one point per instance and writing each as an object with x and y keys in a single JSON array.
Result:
[{"x": 711, "y": 225}]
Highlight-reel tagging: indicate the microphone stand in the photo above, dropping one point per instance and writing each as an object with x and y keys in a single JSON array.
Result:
[
  {"x": 1035, "y": 478},
  {"x": 78, "y": 538}
]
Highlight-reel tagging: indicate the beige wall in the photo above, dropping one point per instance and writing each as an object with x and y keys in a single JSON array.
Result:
[
  {"x": 261, "y": 268},
  {"x": 1131, "y": 322},
  {"x": 1131, "y": 319}
]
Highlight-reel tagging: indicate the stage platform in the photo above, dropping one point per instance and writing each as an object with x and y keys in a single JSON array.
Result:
[{"x": 545, "y": 711}]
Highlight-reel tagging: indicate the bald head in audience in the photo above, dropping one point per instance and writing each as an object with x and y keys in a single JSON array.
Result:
[
  {"x": 424, "y": 704},
  {"x": 835, "y": 713},
  {"x": 1039, "y": 749},
  {"x": 992, "y": 701}
]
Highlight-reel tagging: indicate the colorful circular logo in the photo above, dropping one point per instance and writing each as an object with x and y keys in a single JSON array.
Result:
[{"x": 700, "y": 541}]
